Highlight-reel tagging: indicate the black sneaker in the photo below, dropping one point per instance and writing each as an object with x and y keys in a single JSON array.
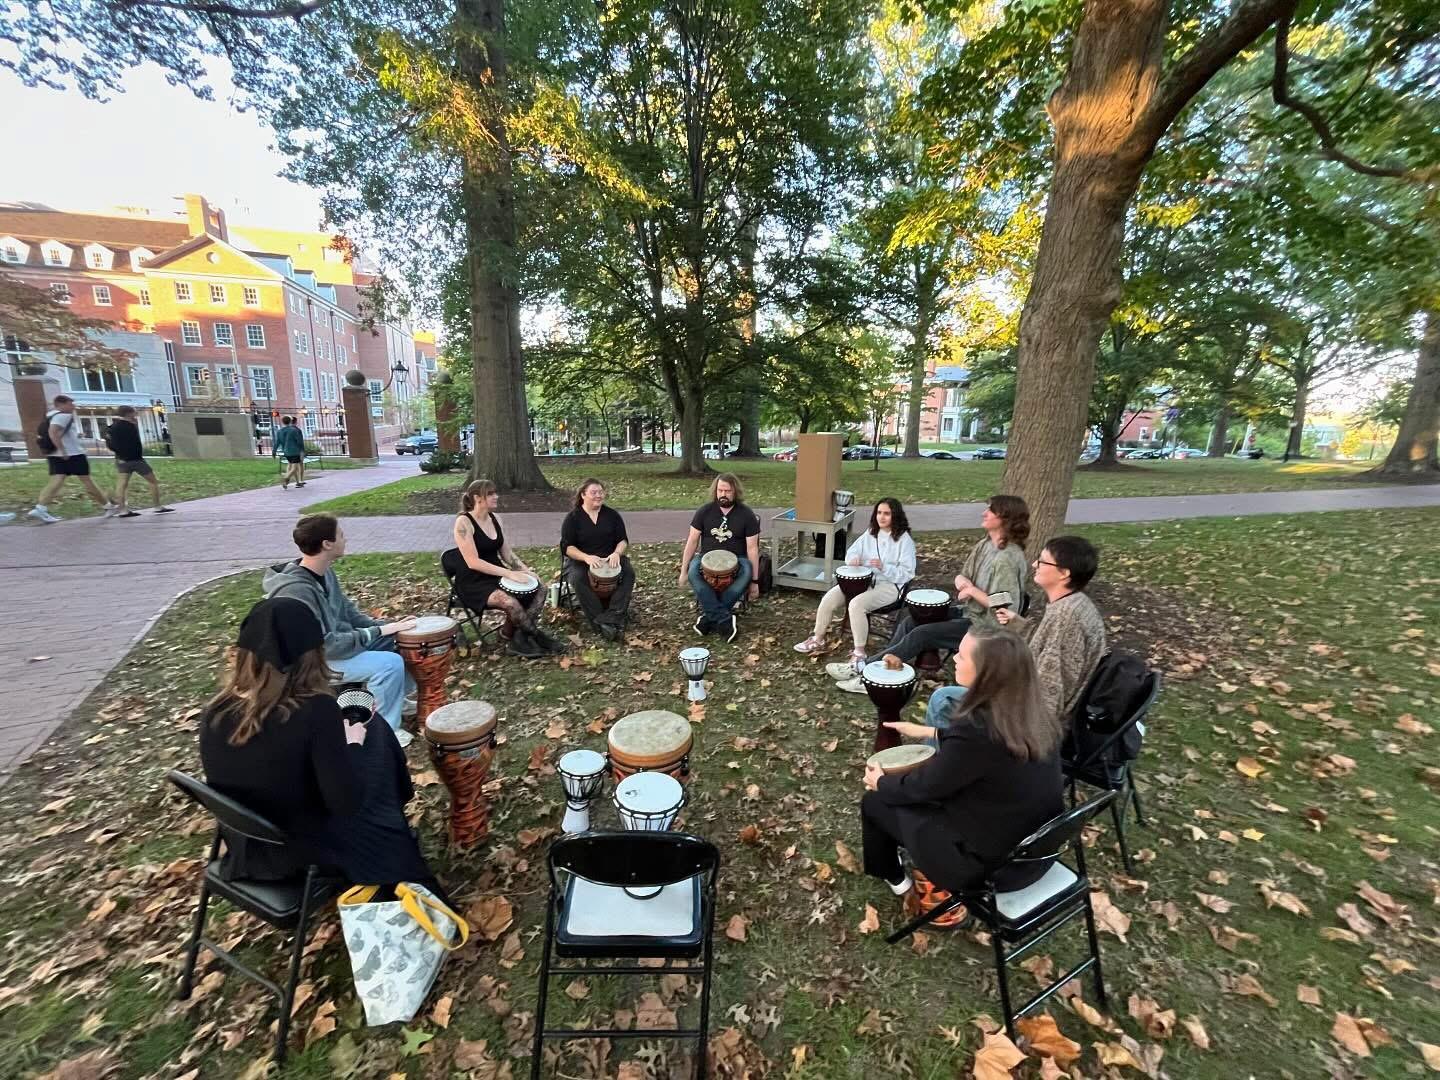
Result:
[
  {"x": 609, "y": 633},
  {"x": 733, "y": 632},
  {"x": 129, "y": 513},
  {"x": 525, "y": 646},
  {"x": 702, "y": 624}
]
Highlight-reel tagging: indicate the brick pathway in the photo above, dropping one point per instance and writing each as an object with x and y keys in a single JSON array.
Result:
[{"x": 59, "y": 606}]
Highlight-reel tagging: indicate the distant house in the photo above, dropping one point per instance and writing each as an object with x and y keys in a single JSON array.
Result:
[
  {"x": 1141, "y": 427},
  {"x": 943, "y": 414}
]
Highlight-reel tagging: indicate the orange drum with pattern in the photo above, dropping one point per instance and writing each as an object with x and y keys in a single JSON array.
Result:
[
  {"x": 428, "y": 650},
  {"x": 461, "y": 737}
]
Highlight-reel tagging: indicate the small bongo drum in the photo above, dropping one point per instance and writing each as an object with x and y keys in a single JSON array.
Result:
[
  {"x": 523, "y": 591},
  {"x": 462, "y": 745},
  {"x": 890, "y": 689},
  {"x": 428, "y": 650},
  {"x": 927, "y": 605},
  {"x": 901, "y": 759},
  {"x": 604, "y": 579},
  {"x": 648, "y": 801},
  {"x": 719, "y": 569},
  {"x": 926, "y": 895},
  {"x": 582, "y": 772},
  {"x": 653, "y": 740},
  {"x": 854, "y": 580}
]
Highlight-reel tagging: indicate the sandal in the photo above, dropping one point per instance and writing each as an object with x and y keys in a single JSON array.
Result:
[
  {"x": 808, "y": 646},
  {"x": 857, "y": 660}
]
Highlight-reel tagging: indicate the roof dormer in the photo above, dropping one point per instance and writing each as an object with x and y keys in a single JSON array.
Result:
[
  {"x": 139, "y": 257},
  {"x": 55, "y": 253},
  {"x": 99, "y": 257},
  {"x": 13, "y": 251}
]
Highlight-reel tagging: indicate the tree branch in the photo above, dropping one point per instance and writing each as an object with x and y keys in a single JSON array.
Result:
[{"x": 297, "y": 10}]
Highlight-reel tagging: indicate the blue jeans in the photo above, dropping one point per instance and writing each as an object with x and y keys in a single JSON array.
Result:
[
  {"x": 383, "y": 672},
  {"x": 715, "y": 607},
  {"x": 937, "y": 709}
]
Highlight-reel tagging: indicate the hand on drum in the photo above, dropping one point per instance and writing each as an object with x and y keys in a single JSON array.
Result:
[
  {"x": 909, "y": 730},
  {"x": 893, "y": 662},
  {"x": 597, "y": 561},
  {"x": 1004, "y": 615},
  {"x": 398, "y": 626},
  {"x": 355, "y": 733},
  {"x": 520, "y": 576},
  {"x": 612, "y": 561},
  {"x": 873, "y": 773}
]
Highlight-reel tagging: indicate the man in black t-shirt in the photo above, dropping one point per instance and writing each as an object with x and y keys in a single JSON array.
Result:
[
  {"x": 123, "y": 438},
  {"x": 593, "y": 535},
  {"x": 724, "y": 523}
]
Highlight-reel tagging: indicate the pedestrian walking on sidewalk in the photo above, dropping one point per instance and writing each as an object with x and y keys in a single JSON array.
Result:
[
  {"x": 60, "y": 439},
  {"x": 123, "y": 439},
  {"x": 290, "y": 442}
]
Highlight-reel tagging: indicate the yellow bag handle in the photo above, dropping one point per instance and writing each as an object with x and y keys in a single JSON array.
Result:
[
  {"x": 357, "y": 894},
  {"x": 415, "y": 904}
]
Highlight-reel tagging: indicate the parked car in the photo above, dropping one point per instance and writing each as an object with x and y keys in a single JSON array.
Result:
[
  {"x": 422, "y": 442},
  {"x": 1146, "y": 454},
  {"x": 787, "y": 454},
  {"x": 715, "y": 450},
  {"x": 989, "y": 453},
  {"x": 942, "y": 455},
  {"x": 1183, "y": 452},
  {"x": 883, "y": 452},
  {"x": 858, "y": 452}
]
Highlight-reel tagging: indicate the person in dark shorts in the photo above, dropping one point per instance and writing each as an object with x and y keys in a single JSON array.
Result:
[
  {"x": 66, "y": 459},
  {"x": 290, "y": 442},
  {"x": 123, "y": 438}
]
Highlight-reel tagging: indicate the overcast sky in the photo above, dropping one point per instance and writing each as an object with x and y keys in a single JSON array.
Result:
[{"x": 146, "y": 147}]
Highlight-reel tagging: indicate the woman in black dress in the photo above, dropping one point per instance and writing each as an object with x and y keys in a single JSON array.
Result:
[
  {"x": 481, "y": 558},
  {"x": 273, "y": 740},
  {"x": 994, "y": 780}
]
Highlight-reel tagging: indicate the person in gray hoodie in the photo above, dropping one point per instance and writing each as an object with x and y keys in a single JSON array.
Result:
[{"x": 359, "y": 648}]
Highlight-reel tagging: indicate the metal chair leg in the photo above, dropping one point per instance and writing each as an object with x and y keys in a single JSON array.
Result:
[
  {"x": 1094, "y": 941},
  {"x": 537, "y": 1048},
  {"x": 192, "y": 951},
  {"x": 1002, "y": 975},
  {"x": 1135, "y": 798},
  {"x": 703, "y": 1049},
  {"x": 297, "y": 953},
  {"x": 1117, "y": 814}
]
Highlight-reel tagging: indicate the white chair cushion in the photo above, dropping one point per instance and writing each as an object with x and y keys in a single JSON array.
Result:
[
  {"x": 1016, "y": 905},
  {"x": 608, "y": 911}
]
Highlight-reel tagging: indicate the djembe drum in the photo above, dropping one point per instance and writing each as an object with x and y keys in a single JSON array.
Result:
[
  {"x": 524, "y": 592},
  {"x": 648, "y": 802},
  {"x": 581, "y": 772},
  {"x": 926, "y": 895},
  {"x": 890, "y": 689},
  {"x": 898, "y": 760},
  {"x": 604, "y": 580},
  {"x": 927, "y": 606},
  {"x": 653, "y": 740},
  {"x": 462, "y": 745},
  {"x": 428, "y": 650},
  {"x": 719, "y": 569},
  {"x": 854, "y": 580}
]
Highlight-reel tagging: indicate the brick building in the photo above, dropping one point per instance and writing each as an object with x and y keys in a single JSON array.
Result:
[
  {"x": 259, "y": 319},
  {"x": 944, "y": 417}
]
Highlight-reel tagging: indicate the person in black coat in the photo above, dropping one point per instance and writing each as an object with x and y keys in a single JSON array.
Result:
[
  {"x": 593, "y": 535},
  {"x": 994, "y": 780},
  {"x": 273, "y": 740}
]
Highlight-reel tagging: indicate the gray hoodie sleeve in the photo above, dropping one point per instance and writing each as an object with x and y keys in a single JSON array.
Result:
[{"x": 347, "y": 630}]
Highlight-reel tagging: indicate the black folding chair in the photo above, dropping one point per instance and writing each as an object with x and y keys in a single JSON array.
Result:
[
  {"x": 590, "y": 916},
  {"x": 468, "y": 615},
  {"x": 1094, "y": 763},
  {"x": 1027, "y": 918},
  {"x": 285, "y": 905}
]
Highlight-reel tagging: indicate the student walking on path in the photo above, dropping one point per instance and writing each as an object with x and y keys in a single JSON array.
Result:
[
  {"x": 60, "y": 440},
  {"x": 123, "y": 438},
  {"x": 290, "y": 442}
]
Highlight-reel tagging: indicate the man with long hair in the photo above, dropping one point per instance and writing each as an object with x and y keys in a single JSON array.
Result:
[{"x": 724, "y": 523}]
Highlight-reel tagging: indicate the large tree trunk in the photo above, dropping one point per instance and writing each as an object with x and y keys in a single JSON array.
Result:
[
  {"x": 1297, "y": 419},
  {"x": 1109, "y": 443},
  {"x": 1415, "y": 449},
  {"x": 916, "y": 404},
  {"x": 503, "y": 451},
  {"x": 1108, "y": 113},
  {"x": 750, "y": 395},
  {"x": 1219, "y": 433}
]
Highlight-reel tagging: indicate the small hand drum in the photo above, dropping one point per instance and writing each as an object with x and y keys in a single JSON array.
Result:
[
  {"x": 901, "y": 759},
  {"x": 356, "y": 706},
  {"x": 927, "y": 605},
  {"x": 719, "y": 569},
  {"x": 695, "y": 660},
  {"x": 427, "y": 649},
  {"x": 649, "y": 802},
  {"x": 653, "y": 739},
  {"x": 524, "y": 591},
  {"x": 604, "y": 580},
  {"x": 581, "y": 772},
  {"x": 854, "y": 580},
  {"x": 890, "y": 690}
]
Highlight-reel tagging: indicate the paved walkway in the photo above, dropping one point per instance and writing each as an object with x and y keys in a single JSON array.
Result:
[{"x": 58, "y": 607}]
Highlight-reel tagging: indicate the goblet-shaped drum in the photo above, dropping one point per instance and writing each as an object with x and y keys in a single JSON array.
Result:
[
  {"x": 581, "y": 772},
  {"x": 428, "y": 649},
  {"x": 854, "y": 580},
  {"x": 461, "y": 736},
  {"x": 719, "y": 569},
  {"x": 890, "y": 689},
  {"x": 695, "y": 660},
  {"x": 654, "y": 740}
]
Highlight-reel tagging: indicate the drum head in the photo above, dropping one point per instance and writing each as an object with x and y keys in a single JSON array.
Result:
[
  {"x": 460, "y": 722},
  {"x": 581, "y": 763},
  {"x": 719, "y": 562},
  {"x": 530, "y": 584},
  {"x": 694, "y": 654},
  {"x": 927, "y": 597},
  {"x": 858, "y": 572},
  {"x": 649, "y": 793},
  {"x": 876, "y": 672},
  {"x": 650, "y": 735},
  {"x": 430, "y": 626},
  {"x": 901, "y": 758},
  {"x": 604, "y": 571}
]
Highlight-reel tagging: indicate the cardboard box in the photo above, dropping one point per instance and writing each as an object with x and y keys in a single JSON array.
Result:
[{"x": 817, "y": 475}]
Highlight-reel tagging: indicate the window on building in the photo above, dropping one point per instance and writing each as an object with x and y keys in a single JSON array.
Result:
[
  {"x": 339, "y": 326},
  {"x": 327, "y": 386},
  {"x": 326, "y": 345},
  {"x": 307, "y": 384},
  {"x": 16, "y": 349},
  {"x": 949, "y": 425},
  {"x": 224, "y": 335},
  {"x": 182, "y": 292},
  {"x": 1144, "y": 434},
  {"x": 190, "y": 333},
  {"x": 217, "y": 294},
  {"x": 11, "y": 252},
  {"x": 144, "y": 295},
  {"x": 302, "y": 342},
  {"x": 139, "y": 256},
  {"x": 262, "y": 383},
  {"x": 197, "y": 380},
  {"x": 377, "y": 391},
  {"x": 309, "y": 424},
  {"x": 56, "y": 255},
  {"x": 255, "y": 335},
  {"x": 97, "y": 260},
  {"x": 60, "y": 292},
  {"x": 330, "y": 254},
  {"x": 228, "y": 378},
  {"x": 340, "y": 352},
  {"x": 252, "y": 296},
  {"x": 102, "y": 295}
]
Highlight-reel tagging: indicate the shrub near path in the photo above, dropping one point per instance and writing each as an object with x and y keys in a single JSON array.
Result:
[{"x": 1282, "y": 923}]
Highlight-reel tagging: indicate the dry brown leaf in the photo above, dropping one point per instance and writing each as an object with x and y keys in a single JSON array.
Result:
[
  {"x": 1158, "y": 1023},
  {"x": 1247, "y": 985},
  {"x": 1046, "y": 1039},
  {"x": 1347, "y": 1033},
  {"x": 750, "y": 834},
  {"x": 1336, "y": 933},
  {"x": 1114, "y": 1054},
  {"x": 490, "y": 916},
  {"x": 651, "y": 1014},
  {"x": 1277, "y": 898},
  {"x": 1196, "y": 1030},
  {"x": 1091, "y": 1015},
  {"x": 1430, "y": 1053},
  {"x": 871, "y": 922},
  {"x": 1108, "y": 917},
  {"x": 736, "y": 927},
  {"x": 1217, "y": 904},
  {"x": 322, "y": 1024},
  {"x": 919, "y": 943},
  {"x": 1411, "y": 726},
  {"x": 846, "y": 858},
  {"x": 1307, "y": 995},
  {"x": 1248, "y": 766},
  {"x": 100, "y": 910},
  {"x": 471, "y": 1055},
  {"x": 94, "y": 1065},
  {"x": 1352, "y": 918},
  {"x": 440, "y": 1014},
  {"x": 872, "y": 1024},
  {"x": 1230, "y": 939},
  {"x": 1382, "y": 904},
  {"x": 996, "y": 1057}
]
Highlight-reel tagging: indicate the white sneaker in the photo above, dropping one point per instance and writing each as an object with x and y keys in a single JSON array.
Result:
[
  {"x": 840, "y": 672},
  {"x": 852, "y": 685},
  {"x": 43, "y": 515},
  {"x": 410, "y": 708},
  {"x": 111, "y": 509},
  {"x": 403, "y": 737},
  {"x": 902, "y": 888}
]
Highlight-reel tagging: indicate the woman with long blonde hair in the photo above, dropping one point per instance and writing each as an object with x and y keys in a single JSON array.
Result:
[{"x": 274, "y": 741}]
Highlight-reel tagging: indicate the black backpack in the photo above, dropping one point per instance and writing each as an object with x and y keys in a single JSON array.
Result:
[
  {"x": 765, "y": 574},
  {"x": 1114, "y": 694},
  {"x": 42, "y": 436}
]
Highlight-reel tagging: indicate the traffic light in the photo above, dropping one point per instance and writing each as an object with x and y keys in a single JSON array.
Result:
[{"x": 204, "y": 374}]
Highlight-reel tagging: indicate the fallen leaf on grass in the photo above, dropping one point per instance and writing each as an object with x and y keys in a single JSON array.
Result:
[
  {"x": 736, "y": 927},
  {"x": 1277, "y": 898},
  {"x": 491, "y": 916},
  {"x": 1196, "y": 1030},
  {"x": 95, "y": 1065},
  {"x": 1091, "y": 1015},
  {"x": 1307, "y": 995},
  {"x": 1411, "y": 726},
  {"x": 100, "y": 910},
  {"x": 1430, "y": 1053},
  {"x": 1248, "y": 766},
  {"x": 1108, "y": 917},
  {"x": 577, "y": 990},
  {"x": 440, "y": 1014},
  {"x": 995, "y": 1059},
  {"x": 1230, "y": 939},
  {"x": 750, "y": 834},
  {"x": 872, "y": 1024},
  {"x": 1046, "y": 1039},
  {"x": 473, "y": 1055},
  {"x": 1354, "y": 920},
  {"x": 1247, "y": 985},
  {"x": 871, "y": 922},
  {"x": 1382, "y": 904},
  {"x": 322, "y": 1024},
  {"x": 652, "y": 1015},
  {"x": 1158, "y": 1023},
  {"x": 919, "y": 943},
  {"x": 1217, "y": 904},
  {"x": 1347, "y": 1033},
  {"x": 846, "y": 858}
]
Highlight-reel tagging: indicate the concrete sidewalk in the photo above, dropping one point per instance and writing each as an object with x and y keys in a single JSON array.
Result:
[{"x": 81, "y": 592}]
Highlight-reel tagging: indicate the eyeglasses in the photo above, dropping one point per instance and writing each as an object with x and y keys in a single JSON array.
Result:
[{"x": 1045, "y": 562}]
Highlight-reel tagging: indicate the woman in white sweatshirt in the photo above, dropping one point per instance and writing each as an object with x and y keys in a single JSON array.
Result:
[{"x": 888, "y": 548}]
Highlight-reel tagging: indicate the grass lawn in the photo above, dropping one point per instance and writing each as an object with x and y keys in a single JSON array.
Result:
[
  {"x": 179, "y": 480},
  {"x": 772, "y": 483},
  {"x": 1286, "y": 897}
]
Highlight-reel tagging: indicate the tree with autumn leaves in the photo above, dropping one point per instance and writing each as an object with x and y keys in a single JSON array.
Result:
[{"x": 33, "y": 321}]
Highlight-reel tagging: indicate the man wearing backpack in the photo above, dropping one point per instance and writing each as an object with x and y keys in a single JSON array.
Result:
[
  {"x": 291, "y": 443},
  {"x": 123, "y": 439},
  {"x": 58, "y": 436}
]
